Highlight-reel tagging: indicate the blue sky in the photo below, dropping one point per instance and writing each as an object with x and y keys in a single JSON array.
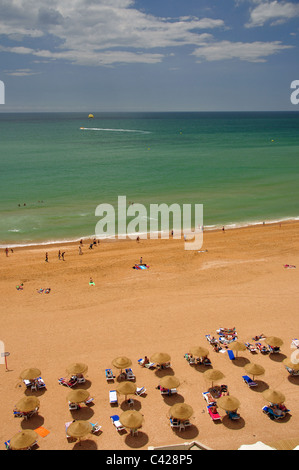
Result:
[{"x": 148, "y": 55}]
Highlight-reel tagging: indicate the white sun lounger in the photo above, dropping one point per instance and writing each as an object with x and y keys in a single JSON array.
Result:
[
  {"x": 113, "y": 397},
  {"x": 140, "y": 391},
  {"x": 117, "y": 423}
]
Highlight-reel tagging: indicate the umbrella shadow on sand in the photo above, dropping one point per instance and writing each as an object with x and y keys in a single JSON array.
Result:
[
  {"x": 240, "y": 361},
  {"x": 126, "y": 406},
  {"x": 85, "y": 385},
  {"x": 233, "y": 424},
  {"x": 162, "y": 372},
  {"x": 32, "y": 423},
  {"x": 173, "y": 399},
  {"x": 202, "y": 368},
  {"x": 35, "y": 393},
  {"x": 261, "y": 386},
  {"x": 84, "y": 413},
  {"x": 293, "y": 379},
  {"x": 189, "y": 433},
  {"x": 135, "y": 442},
  {"x": 277, "y": 357},
  {"x": 86, "y": 444}
]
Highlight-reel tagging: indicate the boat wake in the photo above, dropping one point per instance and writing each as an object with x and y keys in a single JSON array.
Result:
[{"x": 113, "y": 130}]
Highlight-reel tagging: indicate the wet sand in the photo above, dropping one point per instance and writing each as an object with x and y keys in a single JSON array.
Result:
[{"x": 240, "y": 281}]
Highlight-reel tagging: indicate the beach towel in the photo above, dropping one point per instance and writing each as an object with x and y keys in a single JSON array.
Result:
[
  {"x": 140, "y": 266},
  {"x": 43, "y": 432},
  {"x": 289, "y": 266}
]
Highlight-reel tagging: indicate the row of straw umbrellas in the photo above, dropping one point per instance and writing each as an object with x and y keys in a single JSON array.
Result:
[{"x": 133, "y": 419}]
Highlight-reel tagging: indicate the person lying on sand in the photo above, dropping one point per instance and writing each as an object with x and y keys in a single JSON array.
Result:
[{"x": 20, "y": 287}]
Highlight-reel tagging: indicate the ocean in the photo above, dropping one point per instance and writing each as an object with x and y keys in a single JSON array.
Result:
[{"x": 56, "y": 168}]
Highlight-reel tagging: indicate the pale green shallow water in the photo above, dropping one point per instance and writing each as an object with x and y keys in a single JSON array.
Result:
[{"x": 243, "y": 168}]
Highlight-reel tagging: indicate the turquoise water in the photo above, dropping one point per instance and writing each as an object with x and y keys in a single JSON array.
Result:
[{"x": 243, "y": 168}]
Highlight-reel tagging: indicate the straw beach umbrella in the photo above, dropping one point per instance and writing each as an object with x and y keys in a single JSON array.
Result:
[
  {"x": 198, "y": 351},
  {"x": 27, "y": 404},
  {"x": 126, "y": 388},
  {"x": 79, "y": 429},
  {"x": 181, "y": 411},
  {"x": 23, "y": 439},
  {"x": 77, "y": 396},
  {"x": 77, "y": 368},
  {"x": 213, "y": 375},
  {"x": 274, "y": 341},
  {"x": 30, "y": 374},
  {"x": 290, "y": 364},
  {"x": 254, "y": 369},
  {"x": 237, "y": 346},
  {"x": 169, "y": 382},
  {"x": 273, "y": 396},
  {"x": 160, "y": 358},
  {"x": 131, "y": 419},
  {"x": 228, "y": 403},
  {"x": 121, "y": 362}
]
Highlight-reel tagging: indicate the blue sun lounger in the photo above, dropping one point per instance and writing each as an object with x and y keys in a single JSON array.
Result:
[
  {"x": 249, "y": 381},
  {"x": 231, "y": 354}
]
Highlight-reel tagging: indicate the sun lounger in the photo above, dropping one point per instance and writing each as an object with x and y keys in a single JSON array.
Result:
[
  {"x": 113, "y": 397},
  {"x": 292, "y": 371},
  {"x": 109, "y": 375},
  {"x": 74, "y": 406},
  {"x": 262, "y": 348},
  {"x": 274, "y": 414},
  {"x": 67, "y": 383},
  {"x": 295, "y": 342},
  {"x": 25, "y": 415},
  {"x": 130, "y": 375},
  {"x": 226, "y": 330},
  {"x": 251, "y": 347},
  {"x": 95, "y": 428},
  {"x": 215, "y": 416},
  {"x": 233, "y": 415},
  {"x": 231, "y": 354},
  {"x": 211, "y": 340},
  {"x": 275, "y": 350},
  {"x": 174, "y": 423},
  {"x": 81, "y": 380},
  {"x": 166, "y": 365},
  {"x": 171, "y": 391},
  {"x": 249, "y": 381},
  {"x": 117, "y": 423},
  {"x": 209, "y": 398},
  {"x": 148, "y": 366},
  {"x": 140, "y": 391}
]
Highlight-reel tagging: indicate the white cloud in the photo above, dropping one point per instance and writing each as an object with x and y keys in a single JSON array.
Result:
[
  {"x": 250, "y": 52},
  {"x": 276, "y": 12},
  {"x": 85, "y": 30},
  {"x": 20, "y": 72}
]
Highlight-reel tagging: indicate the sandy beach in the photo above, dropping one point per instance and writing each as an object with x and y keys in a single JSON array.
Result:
[{"x": 240, "y": 281}]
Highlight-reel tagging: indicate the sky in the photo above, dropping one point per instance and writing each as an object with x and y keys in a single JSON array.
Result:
[{"x": 148, "y": 55}]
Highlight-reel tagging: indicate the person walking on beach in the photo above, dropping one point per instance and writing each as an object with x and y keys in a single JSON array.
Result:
[
  {"x": 62, "y": 255},
  {"x": 47, "y": 259},
  {"x": 6, "y": 251},
  {"x": 59, "y": 254},
  {"x": 80, "y": 250}
]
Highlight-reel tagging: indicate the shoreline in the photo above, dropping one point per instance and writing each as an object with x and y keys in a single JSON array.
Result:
[{"x": 208, "y": 228}]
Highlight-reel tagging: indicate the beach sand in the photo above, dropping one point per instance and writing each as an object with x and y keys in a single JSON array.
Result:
[{"x": 239, "y": 282}]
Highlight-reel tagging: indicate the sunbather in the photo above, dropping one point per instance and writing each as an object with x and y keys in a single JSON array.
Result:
[
  {"x": 20, "y": 287},
  {"x": 145, "y": 361},
  {"x": 256, "y": 338}
]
